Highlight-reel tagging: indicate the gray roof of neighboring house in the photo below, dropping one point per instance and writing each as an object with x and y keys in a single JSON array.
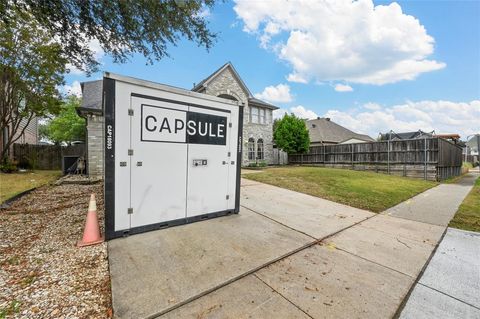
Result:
[
  {"x": 324, "y": 130},
  {"x": 91, "y": 97},
  {"x": 473, "y": 142},
  {"x": 251, "y": 99},
  {"x": 404, "y": 135}
]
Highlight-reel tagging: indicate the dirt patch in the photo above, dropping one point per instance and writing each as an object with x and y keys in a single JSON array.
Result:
[{"x": 42, "y": 272}]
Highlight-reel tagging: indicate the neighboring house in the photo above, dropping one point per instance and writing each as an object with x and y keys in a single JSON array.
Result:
[
  {"x": 455, "y": 138},
  {"x": 393, "y": 136},
  {"x": 29, "y": 136},
  {"x": 225, "y": 83},
  {"x": 323, "y": 131},
  {"x": 473, "y": 145},
  {"x": 257, "y": 114}
]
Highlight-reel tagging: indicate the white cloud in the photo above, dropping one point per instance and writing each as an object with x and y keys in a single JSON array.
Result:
[
  {"x": 299, "y": 110},
  {"x": 294, "y": 77},
  {"x": 344, "y": 40},
  {"x": 372, "y": 106},
  {"x": 442, "y": 116},
  {"x": 343, "y": 88},
  {"x": 204, "y": 13},
  {"x": 98, "y": 53},
  {"x": 280, "y": 93},
  {"x": 73, "y": 89}
]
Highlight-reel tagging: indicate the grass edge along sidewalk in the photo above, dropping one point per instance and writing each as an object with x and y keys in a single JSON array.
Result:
[
  {"x": 468, "y": 214},
  {"x": 12, "y": 184},
  {"x": 365, "y": 190}
]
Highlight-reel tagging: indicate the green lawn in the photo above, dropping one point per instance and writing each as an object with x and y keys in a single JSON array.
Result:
[
  {"x": 365, "y": 190},
  {"x": 467, "y": 165},
  {"x": 468, "y": 214},
  {"x": 15, "y": 183}
]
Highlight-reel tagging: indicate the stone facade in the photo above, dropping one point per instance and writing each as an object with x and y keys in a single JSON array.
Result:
[
  {"x": 226, "y": 83},
  {"x": 95, "y": 145}
]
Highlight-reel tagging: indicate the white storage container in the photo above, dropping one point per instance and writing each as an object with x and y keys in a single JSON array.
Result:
[{"x": 172, "y": 156}]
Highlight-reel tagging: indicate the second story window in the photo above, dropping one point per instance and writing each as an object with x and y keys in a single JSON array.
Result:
[
  {"x": 254, "y": 113},
  {"x": 262, "y": 116}
]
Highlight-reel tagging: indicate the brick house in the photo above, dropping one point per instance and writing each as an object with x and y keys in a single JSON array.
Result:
[
  {"x": 224, "y": 82},
  {"x": 29, "y": 136}
]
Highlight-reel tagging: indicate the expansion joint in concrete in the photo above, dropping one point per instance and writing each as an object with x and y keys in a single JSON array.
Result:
[
  {"x": 281, "y": 295},
  {"x": 450, "y": 296},
  {"x": 409, "y": 293}
]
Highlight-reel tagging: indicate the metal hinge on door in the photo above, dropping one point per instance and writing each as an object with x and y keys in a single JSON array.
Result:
[
  {"x": 229, "y": 124},
  {"x": 130, "y": 152},
  {"x": 130, "y": 112},
  {"x": 130, "y": 210},
  {"x": 227, "y": 197},
  {"x": 229, "y": 154}
]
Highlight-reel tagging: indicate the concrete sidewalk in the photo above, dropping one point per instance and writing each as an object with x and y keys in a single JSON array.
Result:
[
  {"x": 437, "y": 205},
  {"x": 286, "y": 255},
  {"x": 450, "y": 286}
]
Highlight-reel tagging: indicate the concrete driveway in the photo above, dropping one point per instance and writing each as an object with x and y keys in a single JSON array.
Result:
[{"x": 286, "y": 255}]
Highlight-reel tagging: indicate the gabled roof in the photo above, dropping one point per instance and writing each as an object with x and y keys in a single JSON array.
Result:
[
  {"x": 255, "y": 101},
  {"x": 324, "y": 130},
  {"x": 473, "y": 142},
  {"x": 91, "y": 97},
  {"x": 405, "y": 135},
  {"x": 205, "y": 81},
  {"x": 251, "y": 99}
]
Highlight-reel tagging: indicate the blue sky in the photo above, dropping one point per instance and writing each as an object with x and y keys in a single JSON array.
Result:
[{"x": 405, "y": 66}]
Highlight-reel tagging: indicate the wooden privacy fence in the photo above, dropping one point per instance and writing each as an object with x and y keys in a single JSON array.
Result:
[
  {"x": 45, "y": 156},
  {"x": 279, "y": 157},
  {"x": 428, "y": 158}
]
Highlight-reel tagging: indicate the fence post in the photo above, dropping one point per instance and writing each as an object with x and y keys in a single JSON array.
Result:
[
  {"x": 425, "y": 159},
  {"x": 388, "y": 157},
  {"x": 353, "y": 148}
]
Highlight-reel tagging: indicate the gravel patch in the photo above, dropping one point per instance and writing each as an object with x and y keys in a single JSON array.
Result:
[{"x": 42, "y": 272}]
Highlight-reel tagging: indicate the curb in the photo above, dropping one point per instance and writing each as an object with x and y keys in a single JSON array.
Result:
[{"x": 8, "y": 202}]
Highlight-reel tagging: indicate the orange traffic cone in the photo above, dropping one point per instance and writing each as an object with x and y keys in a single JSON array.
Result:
[{"x": 91, "y": 234}]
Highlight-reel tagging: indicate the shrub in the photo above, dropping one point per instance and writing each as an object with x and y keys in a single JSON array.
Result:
[{"x": 8, "y": 166}]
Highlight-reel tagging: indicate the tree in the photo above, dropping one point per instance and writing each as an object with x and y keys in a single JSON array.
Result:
[
  {"x": 291, "y": 135},
  {"x": 120, "y": 27},
  {"x": 67, "y": 126},
  {"x": 31, "y": 69}
]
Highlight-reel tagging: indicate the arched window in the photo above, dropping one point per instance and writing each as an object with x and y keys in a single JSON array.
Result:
[
  {"x": 260, "y": 153},
  {"x": 251, "y": 149}
]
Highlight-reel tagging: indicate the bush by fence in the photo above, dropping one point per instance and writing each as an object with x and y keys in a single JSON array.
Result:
[
  {"x": 430, "y": 158},
  {"x": 45, "y": 156}
]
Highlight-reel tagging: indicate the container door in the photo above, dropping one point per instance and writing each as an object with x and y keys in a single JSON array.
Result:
[
  {"x": 158, "y": 163},
  {"x": 208, "y": 161}
]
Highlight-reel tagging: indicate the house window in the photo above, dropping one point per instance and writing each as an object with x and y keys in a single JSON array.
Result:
[
  {"x": 268, "y": 119},
  {"x": 254, "y": 114},
  {"x": 260, "y": 154},
  {"x": 262, "y": 116},
  {"x": 251, "y": 149}
]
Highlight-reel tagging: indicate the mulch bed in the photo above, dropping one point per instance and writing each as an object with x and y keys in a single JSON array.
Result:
[{"x": 42, "y": 272}]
